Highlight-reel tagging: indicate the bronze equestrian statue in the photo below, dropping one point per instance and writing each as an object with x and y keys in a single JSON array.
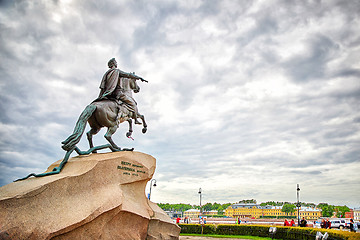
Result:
[{"x": 114, "y": 106}]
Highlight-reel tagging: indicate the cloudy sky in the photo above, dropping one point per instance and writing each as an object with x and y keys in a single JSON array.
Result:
[{"x": 245, "y": 99}]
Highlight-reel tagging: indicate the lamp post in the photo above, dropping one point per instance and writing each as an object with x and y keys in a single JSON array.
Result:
[
  {"x": 151, "y": 184},
  {"x": 200, "y": 200},
  {"x": 298, "y": 205}
]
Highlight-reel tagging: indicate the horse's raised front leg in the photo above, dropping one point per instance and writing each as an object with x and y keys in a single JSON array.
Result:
[
  {"x": 144, "y": 123},
  {"x": 129, "y": 133},
  {"x": 90, "y": 134},
  {"x": 109, "y": 133}
]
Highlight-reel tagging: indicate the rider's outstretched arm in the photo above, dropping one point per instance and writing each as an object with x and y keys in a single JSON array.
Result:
[{"x": 131, "y": 75}]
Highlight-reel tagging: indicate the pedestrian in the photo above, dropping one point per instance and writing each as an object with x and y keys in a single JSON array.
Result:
[
  {"x": 303, "y": 222},
  {"x": 353, "y": 226},
  {"x": 327, "y": 224},
  {"x": 201, "y": 221},
  {"x": 286, "y": 223},
  {"x": 323, "y": 223},
  {"x": 292, "y": 223}
]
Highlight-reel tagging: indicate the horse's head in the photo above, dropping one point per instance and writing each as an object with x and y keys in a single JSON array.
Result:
[{"x": 133, "y": 85}]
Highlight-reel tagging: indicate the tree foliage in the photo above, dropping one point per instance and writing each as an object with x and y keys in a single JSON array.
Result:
[
  {"x": 183, "y": 207},
  {"x": 272, "y": 203},
  {"x": 327, "y": 210},
  {"x": 175, "y": 207},
  {"x": 341, "y": 210},
  {"x": 248, "y": 201},
  {"x": 288, "y": 208}
]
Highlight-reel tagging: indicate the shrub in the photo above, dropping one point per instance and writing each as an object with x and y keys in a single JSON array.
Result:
[
  {"x": 252, "y": 230},
  {"x": 288, "y": 233},
  {"x": 196, "y": 228},
  {"x": 279, "y": 217}
]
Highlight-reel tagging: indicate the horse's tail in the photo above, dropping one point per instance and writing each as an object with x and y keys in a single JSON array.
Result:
[{"x": 74, "y": 138}]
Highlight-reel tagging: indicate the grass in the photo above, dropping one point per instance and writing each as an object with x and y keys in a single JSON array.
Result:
[{"x": 227, "y": 236}]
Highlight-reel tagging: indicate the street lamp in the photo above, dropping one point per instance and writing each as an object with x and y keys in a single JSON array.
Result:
[
  {"x": 298, "y": 205},
  {"x": 151, "y": 184},
  {"x": 200, "y": 200}
]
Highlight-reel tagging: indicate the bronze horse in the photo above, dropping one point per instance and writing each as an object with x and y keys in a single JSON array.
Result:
[{"x": 105, "y": 113}]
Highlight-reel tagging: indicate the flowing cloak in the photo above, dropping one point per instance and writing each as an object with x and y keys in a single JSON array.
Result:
[
  {"x": 111, "y": 89},
  {"x": 109, "y": 82}
]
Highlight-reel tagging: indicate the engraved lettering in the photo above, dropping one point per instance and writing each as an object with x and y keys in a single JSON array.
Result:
[
  {"x": 138, "y": 166},
  {"x": 126, "y": 168}
]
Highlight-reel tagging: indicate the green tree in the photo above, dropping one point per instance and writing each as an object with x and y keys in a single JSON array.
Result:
[
  {"x": 215, "y": 206},
  {"x": 326, "y": 209},
  {"x": 248, "y": 201},
  {"x": 272, "y": 203},
  {"x": 341, "y": 210},
  {"x": 176, "y": 207},
  {"x": 288, "y": 208},
  {"x": 207, "y": 207},
  {"x": 222, "y": 208}
]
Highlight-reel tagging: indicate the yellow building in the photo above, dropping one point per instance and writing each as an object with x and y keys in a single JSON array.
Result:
[
  {"x": 243, "y": 210},
  {"x": 251, "y": 210},
  {"x": 192, "y": 213},
  {"x": 310, "y": 213},
  {"x": 210, "y": 213}
]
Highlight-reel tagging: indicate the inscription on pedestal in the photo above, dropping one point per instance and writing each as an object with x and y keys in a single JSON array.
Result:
[{"x": 130, "y": 168}]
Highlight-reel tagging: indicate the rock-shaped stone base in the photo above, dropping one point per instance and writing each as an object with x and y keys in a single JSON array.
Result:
[{"x": 99, "y": 196}]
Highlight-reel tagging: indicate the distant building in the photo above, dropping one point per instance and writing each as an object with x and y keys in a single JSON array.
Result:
[
  {"x": 210, "y": 213},
  {"x": 310, "y": 213},
  {"x": 174, "y": 214},
  {"x": 349, "y": 214},
  {"x": 192, "y": 213},
  {"x": 252, "y": 210},
  {"x": 356, "y": 213},
  {"x": 273, "y": 211},
  {"x": 243, "y": 210}
]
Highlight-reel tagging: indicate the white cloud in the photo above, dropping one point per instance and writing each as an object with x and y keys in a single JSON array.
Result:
[{"x": 244, "y": 99}]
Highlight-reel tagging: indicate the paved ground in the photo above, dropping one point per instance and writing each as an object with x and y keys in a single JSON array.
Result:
[{"x": 206, "y": 238}]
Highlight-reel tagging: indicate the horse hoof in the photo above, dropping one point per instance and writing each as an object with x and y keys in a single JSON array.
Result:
[{"x": 144, "y": 130}]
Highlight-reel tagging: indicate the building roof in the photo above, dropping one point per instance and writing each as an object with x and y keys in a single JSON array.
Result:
[
  {"x": 193, "y": 210},
  {"x": 309, "y": 209},
  {"x": 270, "y": 207},
  {"x": 251, "y": 205},
  {"x": 244, "y": 205}
]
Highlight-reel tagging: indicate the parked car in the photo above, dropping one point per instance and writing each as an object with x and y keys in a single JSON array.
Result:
[{"x": 340, "y": 223}]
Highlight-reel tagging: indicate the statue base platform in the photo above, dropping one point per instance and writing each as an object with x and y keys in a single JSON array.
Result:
[{"x": 97, "y": 196}]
